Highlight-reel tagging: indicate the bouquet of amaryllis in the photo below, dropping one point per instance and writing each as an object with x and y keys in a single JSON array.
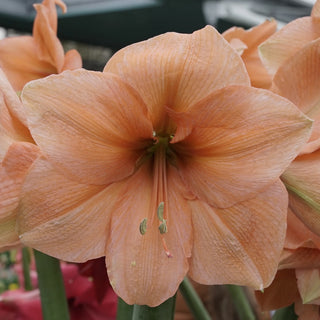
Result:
[{"x": 187, "y": 156}]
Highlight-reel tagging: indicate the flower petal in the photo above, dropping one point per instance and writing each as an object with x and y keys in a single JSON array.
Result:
[
  {"x": 60, "y": 217},
  {"x": 252, "y": 38},
  {"x": 177, "y": 70},
  {"x": 316, "y": 10},
  {"x": 301, "y": 258},
  {"x": 302, "y": 179},
  {"x": 72, "y": 60},
  {"x": 91, "y": 125},
  {"x": 242, "y": 140},
  {"x": 12, "y": 107},
  {"x": 138, "y": 268},
  {"x": 48, "y": 46},
  {"x": 306, "y": 311},
  {"x": 308, "y": 284},
  {"x": 298, "y": 235},
  {"x": 19, "y": 61},
  {"x": 282, "y": 292},
  {"x": 230, "y": 244},
  {"x": 298, "y": 80},
  {"x": 13, "y": 170},
  {"x": 287, "y": 41}
]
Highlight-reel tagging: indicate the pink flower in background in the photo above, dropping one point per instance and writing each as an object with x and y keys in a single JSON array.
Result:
[{"x": 84, "y": 304}]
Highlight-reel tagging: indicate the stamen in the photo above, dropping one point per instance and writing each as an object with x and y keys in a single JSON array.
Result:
[
  {"x": 143, "y": 226},
  {"x": 160, "y": 195}
]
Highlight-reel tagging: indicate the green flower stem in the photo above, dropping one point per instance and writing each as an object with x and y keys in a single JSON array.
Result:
[
  {"x": 26, "y": 268},
  {"x": 241, "y": 302},
  {"x": 164, "y": 311},
  {"x": 124, "y": 311},
  {"x": 193, "y": 301},
  {"x": 52, "y": 293},
  {"x": 286, "y": 313}
]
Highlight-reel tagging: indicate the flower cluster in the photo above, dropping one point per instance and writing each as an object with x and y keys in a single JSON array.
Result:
[{"x": 182, "y": 157}]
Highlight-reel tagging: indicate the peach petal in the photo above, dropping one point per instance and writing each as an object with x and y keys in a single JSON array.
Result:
[
  {"x": 298, "y": 235},
  {"x": 308, "y": 284},
  {"x": 298, "y": 80},
  {"x": 72, "y": 60},
  {"x": 19, "y": 61},
  {"x": 138, "y": 268},
  {"x": 316, "y": 10},
  {"x": 282, "y": 292},
  {"x": 251, "y": 39},
  {"x": 177, "y": 70},
  {"x": 61, "y": 217},
  {"x": 48, "y": 46},
  {"x": 253, "y": 36},
  {"x": 238, "y": 45},
  {"x": 13, "y": 169},
  {"x": 242, "y": 140},
  {"x": 230, "y": 244},
  {"x": 306, "y": 311},
  {"x": 12, "y": 107},
  {"x": 300, "y": 258},
  {"x": 91, "y": 125},
  {"x": 302, "y": 181},
  {"x": 287, "y": 41},
  {"x": 260, "y": 77}
]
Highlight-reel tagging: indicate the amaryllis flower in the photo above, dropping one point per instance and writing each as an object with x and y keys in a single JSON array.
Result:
[
  {"x": 25, "y": 58},
  {"x": 246, "y": 42},
  {"x": 290, "y": 39},
  {"x": 17, "y": 152},
  {"x": 167, "y": 163}
]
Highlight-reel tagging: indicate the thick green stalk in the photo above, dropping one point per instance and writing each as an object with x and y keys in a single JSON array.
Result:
[
  {"x": 26, "y": 268},
  {"x": 193, "y": 300},
  {"x": 286, "y": 313},
  {"x": 53, "y": 298},
  {"x": 124, "y": 311},
  {"x": 164, "y": 311},
  {"x": 241, "y": 302}
]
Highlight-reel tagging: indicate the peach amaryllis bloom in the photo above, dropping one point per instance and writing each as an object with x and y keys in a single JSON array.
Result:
[
  {"x": 166, "y": 163},
  {"x": 17, "y": 152},
  {"x": 298, "y": 80},
  {"x": 290, "y": 39},
  {"x": 246, "y": 42},
  {"x": 298, "y": 278},
  {"x": 25, "y": 58}
]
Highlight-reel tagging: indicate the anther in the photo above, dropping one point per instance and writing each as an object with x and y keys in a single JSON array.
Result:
[
  {"x": 163, "y": 227},
  {"x": 160, "y": 211},
  {"x": 143, "y": 226}
]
